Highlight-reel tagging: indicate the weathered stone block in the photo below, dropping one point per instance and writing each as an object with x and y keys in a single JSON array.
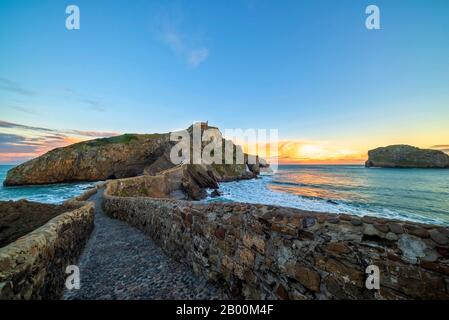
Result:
[
  {"x": 416, "y": 231},
  {"x": 246, "y": 257},
  {"x": 254, "y": 242},
  {"x": 282, "y": 292},
  {"x": 338, "y": 247},
  {"x": 220, "y": 233},
  {"x": 438, "y": 237},
  {"x": 307, "y": 277}
]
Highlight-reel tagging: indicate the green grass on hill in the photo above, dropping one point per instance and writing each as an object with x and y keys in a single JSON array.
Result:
[{"x": 124, "y": 138}]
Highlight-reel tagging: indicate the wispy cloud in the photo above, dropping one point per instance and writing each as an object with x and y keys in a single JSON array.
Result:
[
  {"x": 97, "y": 134},
  {"x": 24, "y": 109},
  {"x": 13, "y": 143},
  {"x": 168, "y": 30},
  {"x": 92, "y": 134},
  {"x": 91, "y": 103},
  {"x": 21, "y": 142},
  {"x": 14, "y": 87},
  {"x": 5, "y": 124},
  {"x": 196, "y": 57}
]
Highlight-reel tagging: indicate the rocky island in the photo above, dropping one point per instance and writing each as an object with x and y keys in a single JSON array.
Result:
[
  {"x": 405, "y": 156},
  {"x": 125, "y": 156}
]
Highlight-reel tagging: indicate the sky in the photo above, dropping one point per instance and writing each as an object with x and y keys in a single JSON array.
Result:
[{"x": 310, "y": 69}]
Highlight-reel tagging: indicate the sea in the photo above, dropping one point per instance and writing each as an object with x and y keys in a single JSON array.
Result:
[
  {"x": 55, "y": 193},
  {"x": 420, "y": 195}
]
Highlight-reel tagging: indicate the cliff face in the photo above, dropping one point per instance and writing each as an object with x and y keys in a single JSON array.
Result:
[
  {"x": 404, "y": 156},
  {"x": 118, "y": 157},
  {"x": 100, "y": 159}
]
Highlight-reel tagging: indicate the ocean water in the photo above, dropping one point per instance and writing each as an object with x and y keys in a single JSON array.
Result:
[
  {"x": 56, "y": 193},
  {"x": 420, "y": 195}
]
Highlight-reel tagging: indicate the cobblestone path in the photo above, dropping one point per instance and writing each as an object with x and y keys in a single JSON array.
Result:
[{"x": 120, "y": 262}]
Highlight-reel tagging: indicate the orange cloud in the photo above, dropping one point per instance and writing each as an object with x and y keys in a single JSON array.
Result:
[
  {"x": 52, "y": 144},
  {"x": 15, "y": 157},
  {"x": 19, "y": 143}
]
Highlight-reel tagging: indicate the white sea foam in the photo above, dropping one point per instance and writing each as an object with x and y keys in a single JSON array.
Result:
[
  {"x": 53, "y": 194},
  {"x": 257, "y": 191}
]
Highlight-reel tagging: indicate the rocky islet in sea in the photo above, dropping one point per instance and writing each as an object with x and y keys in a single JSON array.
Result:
[{"x": 405, "y": 156}]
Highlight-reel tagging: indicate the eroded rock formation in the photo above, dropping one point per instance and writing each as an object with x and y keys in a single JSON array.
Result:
[
  {"x": 185, "y": 182},
  {"x": 100, "y": 159},
  {"x": 404, "y": 156},
  {"x": 123, "y": 156}
]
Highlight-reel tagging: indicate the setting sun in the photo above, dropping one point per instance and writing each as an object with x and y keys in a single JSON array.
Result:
[{"x": 311, "y": 151}]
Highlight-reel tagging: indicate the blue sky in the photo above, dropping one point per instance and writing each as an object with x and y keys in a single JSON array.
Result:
[{"x": 308, "y": 68}]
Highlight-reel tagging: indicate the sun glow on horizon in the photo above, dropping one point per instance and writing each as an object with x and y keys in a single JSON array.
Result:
[
  {"x": 21, "y": 143},
  {"x": 311, "y": 152}
]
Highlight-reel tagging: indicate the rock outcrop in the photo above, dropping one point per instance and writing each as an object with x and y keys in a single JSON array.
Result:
[
  {"x": 404, "y": 156},
  {"x": 117, "y": 157},
  {"x": 99, "y": 159},
  {"x": 184, "y": 182}
]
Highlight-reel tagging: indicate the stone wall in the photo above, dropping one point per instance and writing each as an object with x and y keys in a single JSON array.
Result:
[
  {"x": 33, "y": 267},
  {"x": 268, "y": 252},
  {"x": 86, "y": 194}
]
